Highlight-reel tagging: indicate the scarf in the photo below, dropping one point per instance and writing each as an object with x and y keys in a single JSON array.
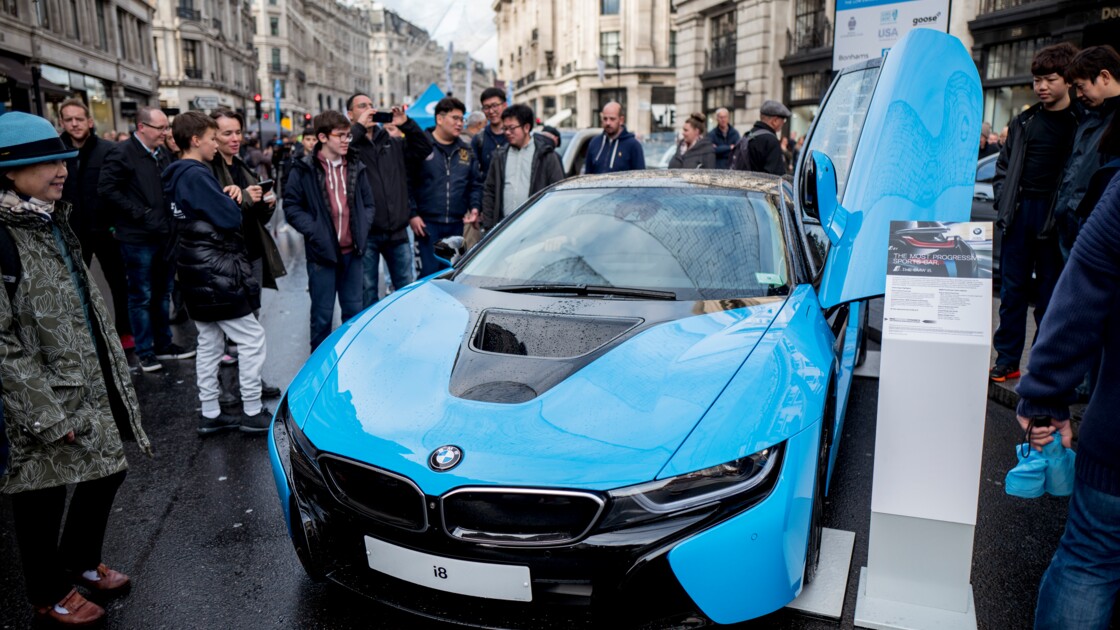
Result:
[{"x": 15, "y": 204}]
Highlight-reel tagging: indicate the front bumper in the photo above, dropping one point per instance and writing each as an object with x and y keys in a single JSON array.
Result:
[{"x": 669, "y": 573}]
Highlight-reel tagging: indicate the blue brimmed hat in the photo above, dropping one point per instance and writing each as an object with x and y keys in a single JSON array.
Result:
[{"x": 27, "y": 139}]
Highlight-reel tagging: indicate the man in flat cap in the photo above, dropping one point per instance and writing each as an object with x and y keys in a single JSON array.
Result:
[{"x": 760, "y": 149}]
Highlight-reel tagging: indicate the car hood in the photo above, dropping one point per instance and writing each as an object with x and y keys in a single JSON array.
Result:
[{"x": 614, "y": 421}]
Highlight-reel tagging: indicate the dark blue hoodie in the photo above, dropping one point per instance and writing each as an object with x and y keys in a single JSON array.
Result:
[
  {"x": 624, "y": 153},
  {"x": 195, "y": 194}
]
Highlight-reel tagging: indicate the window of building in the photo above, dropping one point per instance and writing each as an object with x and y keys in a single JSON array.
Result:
[
  {"x": 274, "y": 26},
  {"x": 283, "y": 88},
  {"x": 43, "y": 14},
  {"x": 275, "y": 57},
  {"x": 721, "y": 50},
  {"x": 672, "y": 49},
  {"x": 719, "y": 96},
  {"x": 548, "y": 106},
  {"x": 811, "y": 28},
  {"x": 609, "y": 48},
  {"x": 75, "y": 30},
  {"x": 191, "y": 66},
  {"x": 10, "y": 7},
  {"x": 608, "y": 7},
  {"x": 122, "y": 45},
  {"x": 1013, "y": 59},
  {"x": 102, "y": 27}
]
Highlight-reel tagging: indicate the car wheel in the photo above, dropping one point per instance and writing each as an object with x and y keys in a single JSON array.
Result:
[{"x": 816, "y": 521}]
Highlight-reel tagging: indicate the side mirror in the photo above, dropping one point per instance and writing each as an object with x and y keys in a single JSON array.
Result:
[
  {"x": 449, "y": 250},
  {"x": 818, "y": 195}
]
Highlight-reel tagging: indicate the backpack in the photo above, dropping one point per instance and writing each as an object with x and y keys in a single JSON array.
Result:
[
  {"x": 740, "y": 157},
  {"x": 11, "y": 270}
]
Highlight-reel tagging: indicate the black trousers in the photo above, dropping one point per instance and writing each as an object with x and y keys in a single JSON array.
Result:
[
  {"x": 48, "y": 564},
  {"x": 108, "y": 252}
]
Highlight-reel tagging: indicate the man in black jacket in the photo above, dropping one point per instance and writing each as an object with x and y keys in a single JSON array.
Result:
[
  {"x": 1028, "y": 171},
  {"x": 87, "y": 217},
  {"x": 130, "y": 186},
  {"x": 391, "y": 165},
  {"x": 328, "y": 200},
  {"x": 521, "y": 168},
  {"x": 488, "y": 140},
  {"x": 760, "y": 150}
]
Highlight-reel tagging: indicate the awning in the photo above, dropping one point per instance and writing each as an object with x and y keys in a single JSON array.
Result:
[{"x": 21, "y": 76}]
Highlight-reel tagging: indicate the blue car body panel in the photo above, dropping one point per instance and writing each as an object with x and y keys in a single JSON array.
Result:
[
  {"x": 777, "y": 392},
  {"x": 613, "y": 423},
  {"x": 915, "y": 159},
  {"x": 752, "y": 565}
]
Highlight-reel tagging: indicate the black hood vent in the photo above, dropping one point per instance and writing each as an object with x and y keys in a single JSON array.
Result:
[{"x": 546, "y": 335}]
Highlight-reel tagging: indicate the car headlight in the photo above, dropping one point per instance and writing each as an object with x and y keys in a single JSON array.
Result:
[
  {"x": 292, "y": 445},
  {"x": 735, "y": 481}
]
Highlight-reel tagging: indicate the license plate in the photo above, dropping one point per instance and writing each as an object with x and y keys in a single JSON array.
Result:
[{"x": 477, "y": 579}]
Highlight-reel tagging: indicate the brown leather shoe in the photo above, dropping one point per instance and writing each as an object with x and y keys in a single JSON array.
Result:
[
  {"x": 109, "y": 580},
  {"x": 82, "y": 611}
]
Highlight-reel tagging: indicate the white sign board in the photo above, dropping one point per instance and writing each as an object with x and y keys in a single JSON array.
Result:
[
  {"x": 866, "y": 29},
  {"x": 206, "y": 102}
]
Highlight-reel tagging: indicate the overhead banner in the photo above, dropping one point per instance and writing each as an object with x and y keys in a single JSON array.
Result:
[{"x": 865, "y": 29}]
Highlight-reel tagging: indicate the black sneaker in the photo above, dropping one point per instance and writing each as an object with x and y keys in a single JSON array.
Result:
[
  {"x": 223, "y": 422},
  {"x": 258, "y": 422},
  {"x": 1001, "y": 373},
  {"x": 174, "y": 352},
  {"x": 268, "y": 390},
  {"x": 148, "y": 363}
]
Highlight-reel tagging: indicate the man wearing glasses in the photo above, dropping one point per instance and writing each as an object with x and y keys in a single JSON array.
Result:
[
  {"x": 448, "y": 186},
  {"x": 131, "y": 189},
  {"x": 485, "y": 143},
  {"x": 329, "y": 201},
  {"x": 520, "y": 169}
]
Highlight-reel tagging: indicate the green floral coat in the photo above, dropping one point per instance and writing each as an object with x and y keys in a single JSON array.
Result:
[{"x": 53, "y": 382}]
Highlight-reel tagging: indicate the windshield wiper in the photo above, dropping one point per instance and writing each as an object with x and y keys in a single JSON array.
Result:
[{"x": 586, "y": 289}]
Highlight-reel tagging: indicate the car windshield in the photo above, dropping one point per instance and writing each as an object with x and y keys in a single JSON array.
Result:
[{"x": 686, "y": 243}]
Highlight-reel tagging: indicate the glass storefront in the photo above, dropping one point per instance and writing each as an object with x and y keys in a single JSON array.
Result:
[{"x": 1002, "y": 104}]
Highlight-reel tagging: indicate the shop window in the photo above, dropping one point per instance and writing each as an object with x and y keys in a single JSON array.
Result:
[{"x": 1013, "y": 59}]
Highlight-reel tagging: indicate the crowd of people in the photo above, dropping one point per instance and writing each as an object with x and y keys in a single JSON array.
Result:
[{"x": 176, "y": 213}]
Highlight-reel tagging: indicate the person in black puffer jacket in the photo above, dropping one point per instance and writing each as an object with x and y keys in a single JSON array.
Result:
[{"x": 218, "y": 284}]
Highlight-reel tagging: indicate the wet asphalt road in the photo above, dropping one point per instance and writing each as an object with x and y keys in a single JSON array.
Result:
[{"x": 199, "y": 527}]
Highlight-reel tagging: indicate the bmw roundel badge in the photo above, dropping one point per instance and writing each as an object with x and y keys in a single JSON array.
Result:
[{"x": 445, "y": 458}]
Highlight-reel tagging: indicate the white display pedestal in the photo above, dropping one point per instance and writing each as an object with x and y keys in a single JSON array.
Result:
[
  {"x": 933, "y": 386},
  {"x": 825, "y": 596}
]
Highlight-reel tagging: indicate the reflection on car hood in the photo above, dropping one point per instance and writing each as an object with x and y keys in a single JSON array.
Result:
[{"x": 614, "y": 422}]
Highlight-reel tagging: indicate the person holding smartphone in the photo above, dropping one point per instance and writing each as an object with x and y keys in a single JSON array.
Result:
[{"x": 257, "y": 201}]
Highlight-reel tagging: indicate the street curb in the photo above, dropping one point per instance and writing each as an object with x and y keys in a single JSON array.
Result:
[{"x": 1003, "y": 395}]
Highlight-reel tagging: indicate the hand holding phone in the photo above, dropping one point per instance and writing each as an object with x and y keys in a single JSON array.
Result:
[
  {"x": 383, "y": 117},
  {"x": 266, "y": 185}
]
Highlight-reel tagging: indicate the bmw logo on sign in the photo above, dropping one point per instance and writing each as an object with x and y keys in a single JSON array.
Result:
[{"x": 445, "y": 458}]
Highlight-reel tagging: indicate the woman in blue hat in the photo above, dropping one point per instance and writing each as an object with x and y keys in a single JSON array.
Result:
[{"x": 67, "y": 393}]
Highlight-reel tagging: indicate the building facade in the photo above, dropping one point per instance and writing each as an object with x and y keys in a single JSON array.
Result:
[
  {"x": 738, "y": 53},
  {"x": 567, "y": 58},
  {"x": 204, "y": 50},
  {"x": 100, "y": 51}
]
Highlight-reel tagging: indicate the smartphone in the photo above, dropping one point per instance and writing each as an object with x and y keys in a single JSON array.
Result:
[
  {"x": 383, "y": 117},
  {"x": 266, "y": 185}
]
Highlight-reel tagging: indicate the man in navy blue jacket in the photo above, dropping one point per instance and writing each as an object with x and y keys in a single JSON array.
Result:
[
  {"x": 724, "y": 137},
  {"x": 448, "y": 190},
  {"x": 214, "y": 272},
  {"x": 329, "y": 201},
  {"x": 1081, "y": 585},
  {"x": 616, "y": 149},
  {"x": 487, "y": 141}
]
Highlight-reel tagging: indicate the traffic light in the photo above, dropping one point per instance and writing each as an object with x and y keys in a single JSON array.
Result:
[
  {"x": 307, "y": 118},
  {"x": 257, "y": 102}
]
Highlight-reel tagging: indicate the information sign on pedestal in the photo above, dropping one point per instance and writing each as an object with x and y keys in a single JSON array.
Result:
[{"x": 937, "y": 329}]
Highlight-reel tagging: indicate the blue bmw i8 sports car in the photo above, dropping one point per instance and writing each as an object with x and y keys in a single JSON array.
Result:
[{"x": 623, "y": 406}]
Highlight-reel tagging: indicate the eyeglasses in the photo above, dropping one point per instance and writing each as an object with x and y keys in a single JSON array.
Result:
[
  {"x": 159, "y": 129},
  {"x": 455, "y": 118},
  {"x": 508, "y": 129},
  {"x": 344, "y": 136},
  {"x": 492, "y": 106}
]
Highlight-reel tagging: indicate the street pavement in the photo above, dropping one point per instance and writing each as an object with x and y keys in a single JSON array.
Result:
[{"x": 200, "y": 530}]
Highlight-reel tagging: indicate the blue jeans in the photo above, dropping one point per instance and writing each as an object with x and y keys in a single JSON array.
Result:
[
  {"x": 429, "y": 264},
  {"x": 325, "y": 282},
  {"x": 398, "y": 258},
  {"x": 150, "y": 274},
  {"x": 1021, "y": 256},
  {"x": 1080, "y": 587}
]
